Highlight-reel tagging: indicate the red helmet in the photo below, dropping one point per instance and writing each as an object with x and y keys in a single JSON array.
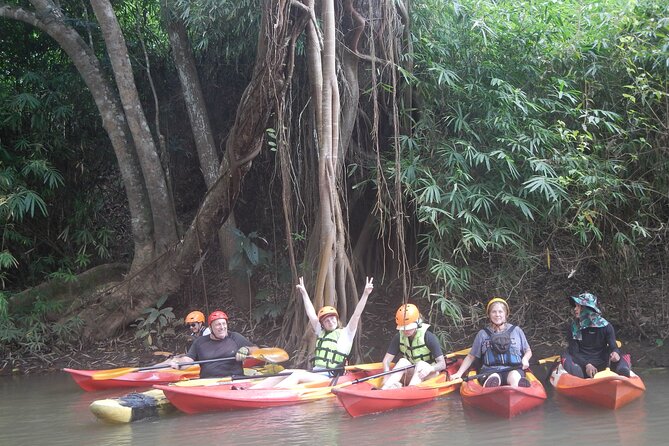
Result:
[
  {"x": 194, "y": 316},
  {"x": 327, "y": 311},
  {"x": 216, "y": 314}
]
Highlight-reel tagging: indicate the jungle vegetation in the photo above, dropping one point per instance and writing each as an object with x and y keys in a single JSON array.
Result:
[{"x": 448, "y": 148}]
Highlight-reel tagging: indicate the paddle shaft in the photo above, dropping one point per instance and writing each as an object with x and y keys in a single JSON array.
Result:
[
  {"x": 261, "y": 353},
  {"x": 508, "y": 369}
]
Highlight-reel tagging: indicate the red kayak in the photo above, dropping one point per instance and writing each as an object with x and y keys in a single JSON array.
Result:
[
  {"x": 136, "y": 379},
  {"x": 606, "y": 389},
  {"x": 223, "y": 397},
  {"x": 365, "y": 398},
  {"x": 505, "y": 401}
]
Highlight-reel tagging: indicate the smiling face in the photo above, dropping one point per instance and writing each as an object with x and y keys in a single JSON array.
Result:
[
  {"x": 219, "y": 328},
  {"x": 330, "y": 322},
  {"x": 497, "y": 313}
]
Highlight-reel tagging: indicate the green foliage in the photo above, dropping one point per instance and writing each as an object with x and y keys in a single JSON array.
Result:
[
  {"x": 539, "y": 121},
  {"x": 249, "y": 255},
  {"x": 36, "y": 145},
  {"x": 267, "y": 306},
  {"x": 158, "y": 323},
  {"x": 34, "y": 332}
]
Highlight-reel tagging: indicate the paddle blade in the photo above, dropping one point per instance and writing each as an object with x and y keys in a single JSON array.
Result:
[
  {"x": 463, "y": 352},
  {"x": 555, "y": 358},
  {"x": 112, "y": 373},
  {"x": 366, "y": 367},
  {"x": 270, "y": 354}
]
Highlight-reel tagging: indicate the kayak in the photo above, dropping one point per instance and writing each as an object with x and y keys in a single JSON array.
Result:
[
  {"x": 366, "y": 398},
  {"x": 84, "y": 378},
  {"x": 137, "y": 406},
  {"x": 606, "y": 389},
  {"x": 505, "y": 401},
  {"x": 199, "y": 399}
]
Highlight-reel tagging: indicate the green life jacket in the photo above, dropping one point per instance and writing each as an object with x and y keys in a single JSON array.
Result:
[
  {"x": 326, "y": 355},
  {"x": 415, "y": 350}
]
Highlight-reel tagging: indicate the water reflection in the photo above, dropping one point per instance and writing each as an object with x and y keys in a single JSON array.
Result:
[{"x": 53, "y": 410}]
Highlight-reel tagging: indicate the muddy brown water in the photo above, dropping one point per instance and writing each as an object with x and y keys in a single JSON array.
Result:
[{"x": 52, "y": 410}]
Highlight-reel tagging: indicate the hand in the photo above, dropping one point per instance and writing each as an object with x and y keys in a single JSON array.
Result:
[
  {"x": 369, "y": 286},
  {"x": 614, "y": 356},
  {"x": 590, "y": 370},
  {"x": 242, "y": 354},
  {"x": 525, "y": 363},
  {"x": 173, "y": 363},
  {"x": 456, "y": 375},
  {"x": 300, "y": 286}
]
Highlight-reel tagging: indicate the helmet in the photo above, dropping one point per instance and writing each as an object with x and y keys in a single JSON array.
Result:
[
  {"x": 194, "y": 316},
  {"x": 586, "y": 300},
  {"x": 216, "y": 314},
  {"x": 407, "y": 317},
  {"x": 500, "y": 300},
  {"x": 327, "y": 311}
]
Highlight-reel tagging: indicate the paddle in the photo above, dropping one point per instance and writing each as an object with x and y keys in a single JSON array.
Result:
[
  {"x": 271, "y": 354},
  {"x": 378, "y": 365},
  {"x": 454, "y": 382}
]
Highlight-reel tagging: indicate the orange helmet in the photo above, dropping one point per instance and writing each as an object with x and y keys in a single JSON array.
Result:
[
  {"x": 194, "y": 316},
  {"x": 327, "y": 311},
  {"x": 500, "y": 300},
  {"x": 216, "y": 314},
  {"x": 407, "y": 317}
]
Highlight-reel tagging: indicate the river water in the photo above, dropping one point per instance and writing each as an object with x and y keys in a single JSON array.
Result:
[{"x": 52, "y": 410}]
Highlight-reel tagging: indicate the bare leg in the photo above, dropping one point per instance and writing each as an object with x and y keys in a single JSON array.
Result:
[
  {"x": 301, "y": 377},
  {"x": 393, "y": 380},
  {"x": 420, "y": 367}
]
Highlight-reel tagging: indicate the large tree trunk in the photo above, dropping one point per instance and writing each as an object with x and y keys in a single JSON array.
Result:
[
  {"x": 238, "y": 286},
  {"x": 49, "y": 18},
  {"x": 160, "y": 197},
  {"x": 124, "y": 302}
]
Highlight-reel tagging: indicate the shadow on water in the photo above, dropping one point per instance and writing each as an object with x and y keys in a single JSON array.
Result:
[{"x": 53, "y": 410}]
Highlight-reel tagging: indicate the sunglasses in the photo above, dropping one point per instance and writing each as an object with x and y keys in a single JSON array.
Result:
[{"x": 192, "y": 325}]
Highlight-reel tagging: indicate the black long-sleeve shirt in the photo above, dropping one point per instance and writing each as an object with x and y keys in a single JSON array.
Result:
[{"x": 595, "y": 347}]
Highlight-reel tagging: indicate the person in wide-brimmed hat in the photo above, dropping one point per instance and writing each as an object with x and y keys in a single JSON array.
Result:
[{"x": 592, "y": 341}]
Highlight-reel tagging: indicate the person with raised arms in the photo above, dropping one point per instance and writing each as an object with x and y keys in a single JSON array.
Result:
[
  {"x": 497, "y": 347},
  {"x": 417, "y": 346},
  {"x": 220, "y": 343},
  {"x": 333, "y": 342},
  {"x": 591, "y": 341}
]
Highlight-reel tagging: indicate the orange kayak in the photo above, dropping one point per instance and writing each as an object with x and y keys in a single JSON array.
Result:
[
  {"x": 365, "y": 398},
  {"x": 505, "y": 401},
  {"x": 199, "y": 399},
  {"x": 606, "y": 389},
  {"x": 84, "y": 378}
]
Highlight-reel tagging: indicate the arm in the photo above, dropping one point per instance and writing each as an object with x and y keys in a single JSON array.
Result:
[
  {"x": 527, "y": 351},
  {"x": 355, "y": 318},
  {"x": 613, "y": 346},
  {"x": 387, "y": 359},
  {"x": 466, "y": 363},
  {"x": 308, "y": 306},
  {"x": 177, "y": 361}
]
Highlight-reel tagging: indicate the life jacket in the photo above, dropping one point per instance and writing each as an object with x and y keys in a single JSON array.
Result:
[
  {"x": 415, "y": 349},
  {"x": 326, "y": 355},
  {"x": 498, "y": 351}
]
